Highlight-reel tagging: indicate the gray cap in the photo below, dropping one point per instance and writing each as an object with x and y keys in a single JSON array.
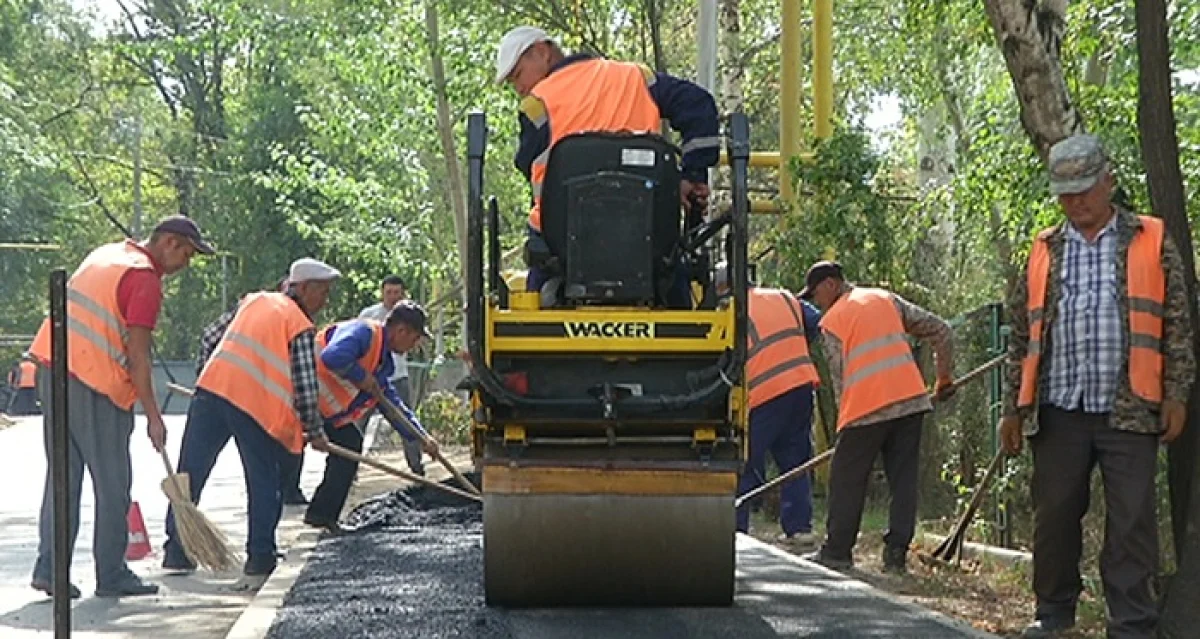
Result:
[
  {"x": 306, "y": 269},
  {"x": 1076, "y": 163}
]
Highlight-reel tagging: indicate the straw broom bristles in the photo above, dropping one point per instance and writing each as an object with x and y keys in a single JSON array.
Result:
[{"x": 202, "y": 541}]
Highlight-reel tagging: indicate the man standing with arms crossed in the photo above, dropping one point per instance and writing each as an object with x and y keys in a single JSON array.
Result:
[
  {"x": 113, "y": 301},
  {"x": 391, "y": 292}
]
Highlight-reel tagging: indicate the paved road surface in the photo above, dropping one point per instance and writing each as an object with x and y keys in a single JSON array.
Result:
[
  {"x": 200, "y": 606},
  {"x": 420, "y": 576}
]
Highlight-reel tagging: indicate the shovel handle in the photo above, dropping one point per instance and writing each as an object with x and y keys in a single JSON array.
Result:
[
  {"x": 396, "y": 416},
  {"x": 182, "y": 390},
  {"x": 392, "y": 470},
  {"x": 789, "y": 475}
]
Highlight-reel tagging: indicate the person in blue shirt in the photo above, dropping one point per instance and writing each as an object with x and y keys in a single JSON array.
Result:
[{"x": 348, "y": 390}]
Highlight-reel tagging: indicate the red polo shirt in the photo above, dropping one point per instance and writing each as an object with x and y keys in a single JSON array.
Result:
[{"x": 139, "y": 294}]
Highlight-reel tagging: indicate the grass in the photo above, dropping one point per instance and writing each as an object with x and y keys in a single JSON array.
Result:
[{"x": 993, "y": 597}]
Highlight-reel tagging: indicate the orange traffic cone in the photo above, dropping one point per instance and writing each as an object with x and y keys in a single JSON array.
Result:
[{"x": 139, "y": 540}]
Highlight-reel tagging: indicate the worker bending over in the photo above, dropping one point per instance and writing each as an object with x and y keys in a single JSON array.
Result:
[
  {"x": 882, "y": 401},
  {"x": 781, "y": 377},
  {"x": 355, "y": 365},
  {"x": 113, "y": 302},
  {"x": 260, "y": 388},
  {"x": 563, "y": 95}
]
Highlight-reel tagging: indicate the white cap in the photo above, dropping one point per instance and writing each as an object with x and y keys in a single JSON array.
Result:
[
  {"x": 512, "y": 45},
  {"x": 306, "y": 269}
]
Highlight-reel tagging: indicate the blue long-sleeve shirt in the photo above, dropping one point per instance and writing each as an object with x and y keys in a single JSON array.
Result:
[
  {"x": 348, "y": 342},
  {"x": 689, "y": 108},
  {"x": 812, "y": 322}
]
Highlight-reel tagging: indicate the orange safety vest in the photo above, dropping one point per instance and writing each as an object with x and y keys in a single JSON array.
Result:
[
  {"x": 251, "y": 366},
  {"x": 777, "y": 354},
  {"x": 589, "y": 95},
  {"x": 336, "y": 392},
  {"x": 96, "y": 352},
  {"x": 1147, "y": 294},
  {"x": 28, "y": 374},
  {"x": 878, "y": 368}
]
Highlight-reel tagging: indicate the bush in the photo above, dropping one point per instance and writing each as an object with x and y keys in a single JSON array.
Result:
[{"x": 447, "y": 417}]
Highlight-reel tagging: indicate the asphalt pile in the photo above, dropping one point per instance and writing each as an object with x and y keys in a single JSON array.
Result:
[{"x": 411, "y": 567}]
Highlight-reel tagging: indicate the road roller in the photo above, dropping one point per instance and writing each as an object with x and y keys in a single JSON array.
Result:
[{"x": 609, "y": 413}]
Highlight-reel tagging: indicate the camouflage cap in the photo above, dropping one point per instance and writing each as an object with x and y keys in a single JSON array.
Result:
[{"x": 1076, "y": 163}]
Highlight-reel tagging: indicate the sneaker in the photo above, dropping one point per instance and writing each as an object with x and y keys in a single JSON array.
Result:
[
  {"x": 47, "y": 586},
  {"x": 129, "y": 586},
  {"x": 819, "y": 557},
  {"x": 798, "y": 541},
  {"x": 176, "y": 560},
  {"x": 260, "y": 565},
  {"x": 894, "y": 560}
]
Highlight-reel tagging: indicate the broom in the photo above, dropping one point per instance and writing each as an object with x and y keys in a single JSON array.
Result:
[{"x": 202, "y": 542}]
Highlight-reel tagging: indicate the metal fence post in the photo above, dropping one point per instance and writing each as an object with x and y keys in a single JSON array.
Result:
[
  {"x": 998, "y": 345},
  {"x": 60, "y": 457}
]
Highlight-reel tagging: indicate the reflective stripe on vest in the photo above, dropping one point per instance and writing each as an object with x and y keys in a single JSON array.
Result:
[
  {"x": 1147, "y": 293},
  {"x": 777, "y": 351},
  {"x": 28, "y": 375},
  {"x": 878, "y": 369},
  {"x": 591, "y": 95},
  {"x": 251, "y": 366},
  {"x": 337, "y": 393},
  {"x": 97, "y": 333}
]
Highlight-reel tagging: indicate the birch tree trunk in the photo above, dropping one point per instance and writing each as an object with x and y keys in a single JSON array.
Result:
[
  {"x": 1160, "y": 153},
  {"x": 455, "y": 192},
  {"x": 1029, "y": 33}
]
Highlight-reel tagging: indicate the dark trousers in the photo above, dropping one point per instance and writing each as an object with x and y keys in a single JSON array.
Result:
[
  {"x": 98, "y": 440},
  {"x": 899, "y": 440},
  {"x": 327, "y": 501},
  {"x": 781, "y": 427},
  {"x": 289, "y": 474},
  {"x": 24, "y": 402},
  {"x": 211, "y": 422},
  {"x": 1068, "y": 445}
]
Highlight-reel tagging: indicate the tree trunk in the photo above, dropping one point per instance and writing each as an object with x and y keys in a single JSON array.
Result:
[
  {"x": 731, "y": 56},
  {"x": 654, "y": 11},
  {"x": 1029, "y": 33},
  {"x": 454, "y": 184},
  {"x": 1160, "y": 153}
]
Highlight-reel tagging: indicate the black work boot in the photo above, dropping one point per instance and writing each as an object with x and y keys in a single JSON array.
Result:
[
  {"x": 894, "y": 560},
  {"x": 176, "y": 560},
  {"x": 1048, "y": 627},
  {"x": 260, "y": 565}
]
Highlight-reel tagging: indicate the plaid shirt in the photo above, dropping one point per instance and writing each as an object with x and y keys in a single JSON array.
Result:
[
  {"x": 1129, "y": 412},
  {"x": 1089, "y": 337},
  {"x": 302, "y": 352}
]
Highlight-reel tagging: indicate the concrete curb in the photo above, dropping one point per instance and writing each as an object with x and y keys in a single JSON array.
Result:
[
  {"x": 918, "y": 611},
  {"x": 259, "y": 615}
]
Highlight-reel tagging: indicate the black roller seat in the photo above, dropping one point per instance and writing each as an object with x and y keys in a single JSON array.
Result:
[{"x": 611, "y": 216}]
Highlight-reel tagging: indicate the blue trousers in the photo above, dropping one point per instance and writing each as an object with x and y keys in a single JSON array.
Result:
[
  {"x": 211, "y": 422},
  {"x": 781, "y": 427}
]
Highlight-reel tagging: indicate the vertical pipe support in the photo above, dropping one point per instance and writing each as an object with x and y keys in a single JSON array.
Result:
[
  {"x": 789, "y": 96},
  {"x": 822, "y": 82},
  {"x": 60, "y": 451}
]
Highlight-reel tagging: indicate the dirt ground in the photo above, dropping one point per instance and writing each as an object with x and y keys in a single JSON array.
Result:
[{"x": 992, "y": 597}]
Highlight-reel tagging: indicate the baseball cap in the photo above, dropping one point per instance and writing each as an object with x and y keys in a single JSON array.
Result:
[
  {"x": 186, "y": 228},
  {"x": 818, "y": 273},
  {"x": 410, "y": 313},
  {"x": 512, "y": 45},
  {"x": 306, "y": 269},
  {"x": 1076, "y": 163}
]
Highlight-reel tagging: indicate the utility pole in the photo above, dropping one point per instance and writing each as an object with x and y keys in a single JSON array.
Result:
[{"x": 136, "y": 227}]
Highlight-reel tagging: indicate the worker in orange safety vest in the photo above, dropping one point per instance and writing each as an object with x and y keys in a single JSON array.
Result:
[
  {"x": 882, "y": 402},
  {"x": 22, "y": 381},
  {"x": 567, "y": 94},
  {"x": 355, "y": 364},
  {"x": 260, "y": 389}
]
